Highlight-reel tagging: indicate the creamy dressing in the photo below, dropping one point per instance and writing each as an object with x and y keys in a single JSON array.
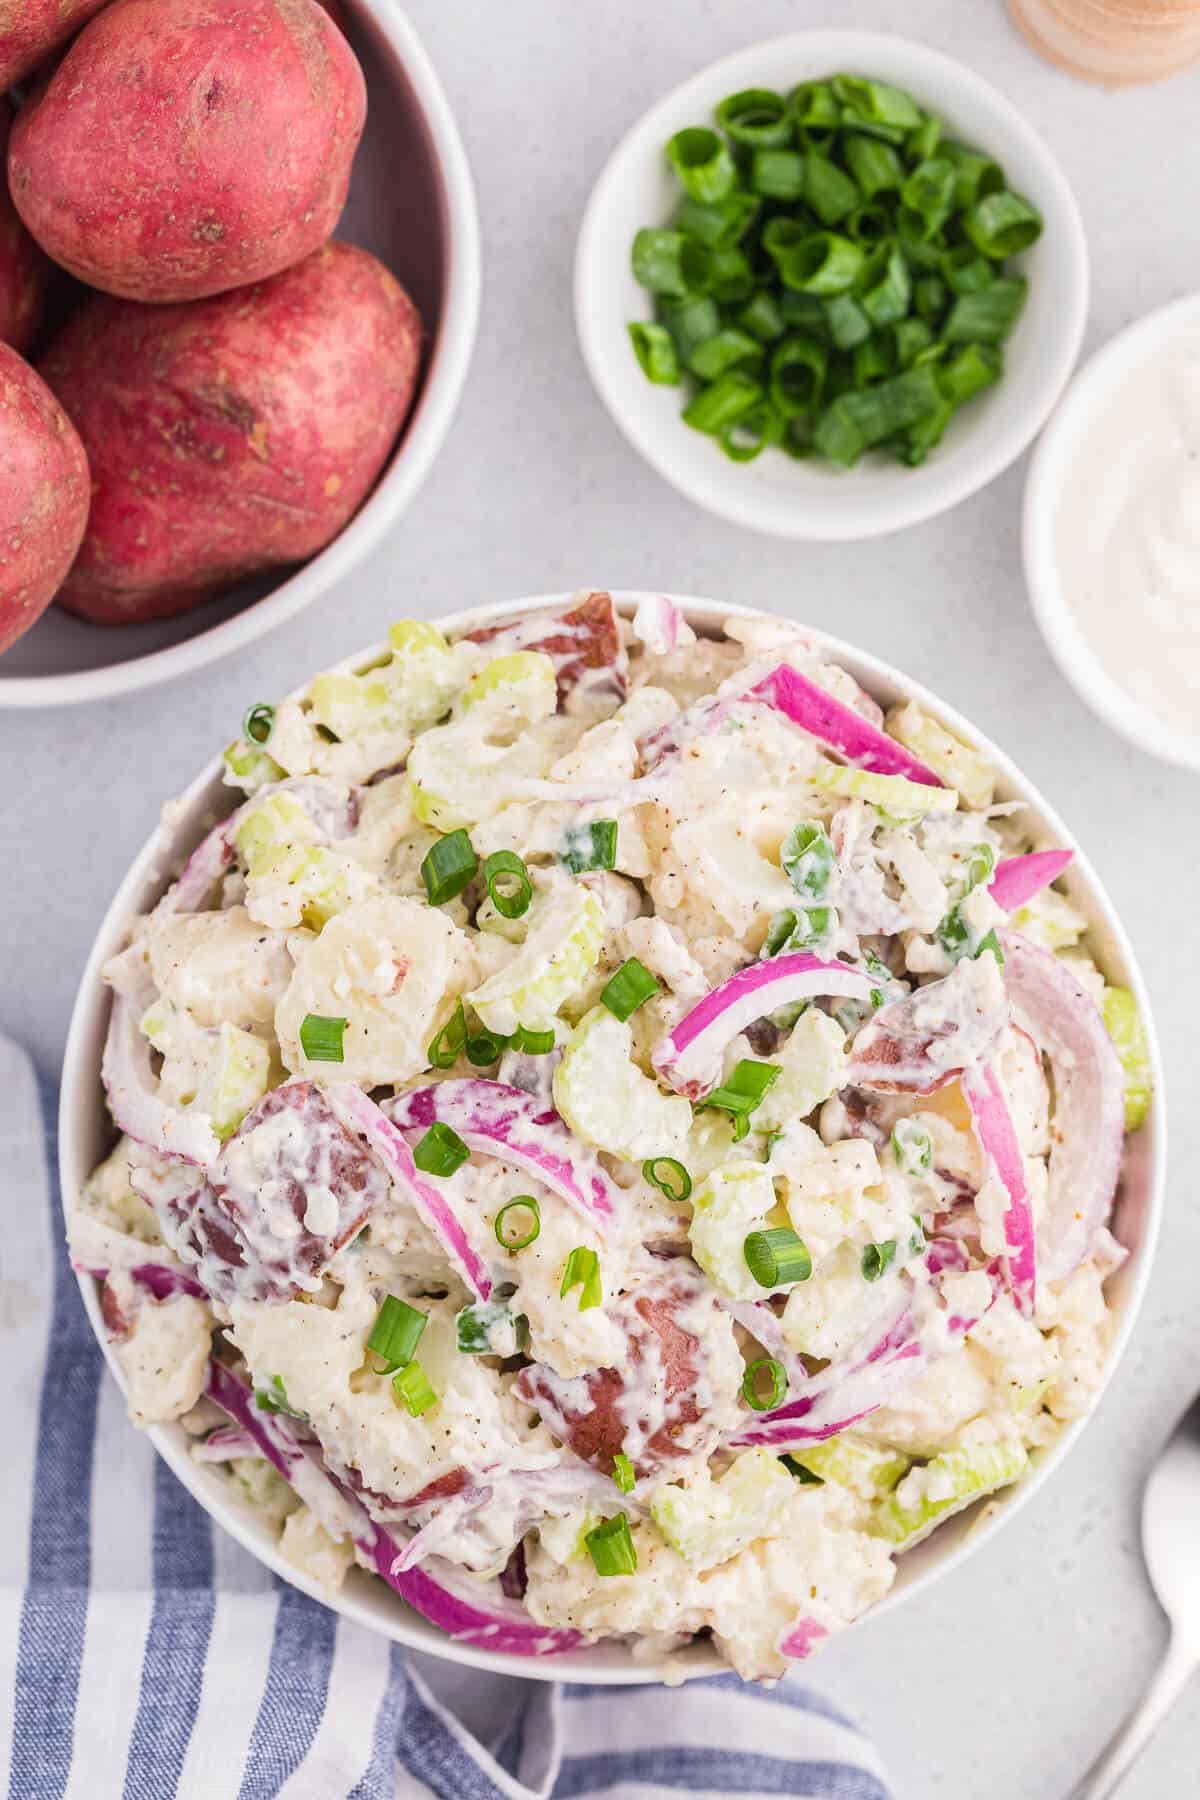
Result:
[{"x": 1128, "y": 534}]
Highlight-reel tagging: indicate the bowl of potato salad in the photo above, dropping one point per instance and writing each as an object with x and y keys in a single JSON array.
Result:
[{"x": 612, "y": 1135}]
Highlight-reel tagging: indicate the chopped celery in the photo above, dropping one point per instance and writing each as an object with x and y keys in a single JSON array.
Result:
[
  {"x": 812, "y": 1061},
  {"x": 731, "y": 1202},
  {"x": 868, "y": 1469},
  {"x": 949, "y": 1484},
  {"x": 895, "y": 795},
  {"x": 561, "y": 948},
  {"x": 706, "y": 1522},
  {"x": 249, "y": 767},
  {"x": 1128, "y": 1034},
  {"x": 607, "y": 1100},
  {"x": 956, "y": 763}
]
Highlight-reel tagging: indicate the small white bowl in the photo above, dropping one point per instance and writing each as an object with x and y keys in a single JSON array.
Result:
[
  {"x": 812, "y": 499},
  {"x": 1050, "y": 475},
  {"x": 86, "y": 1134},
  {"x": 412, "y": 202}
]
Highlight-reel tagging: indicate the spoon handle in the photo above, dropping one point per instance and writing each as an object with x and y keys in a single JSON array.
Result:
[{"x": 1115, "y": 1761}]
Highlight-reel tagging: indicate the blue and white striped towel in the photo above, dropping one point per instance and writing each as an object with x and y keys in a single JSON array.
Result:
[{"x": 144, "y": 1655}]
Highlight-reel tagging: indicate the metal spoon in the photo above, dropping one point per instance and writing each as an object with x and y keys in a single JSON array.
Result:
[{"x": 1171, "y": 1546}]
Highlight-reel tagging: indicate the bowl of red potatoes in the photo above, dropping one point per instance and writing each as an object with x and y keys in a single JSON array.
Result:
[{"x": 239, "y": 287}]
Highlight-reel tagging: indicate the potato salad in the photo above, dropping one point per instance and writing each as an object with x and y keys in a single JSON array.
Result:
[{"x": 617, "y": 1137}]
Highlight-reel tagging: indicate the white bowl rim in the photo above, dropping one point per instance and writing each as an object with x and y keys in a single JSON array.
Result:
[
  {"x": 609, "y": 1663},
  {"x": 437, "y": 403},
  {"x": 965, "y": 468},
  {"x": 1090, "y": 388}
]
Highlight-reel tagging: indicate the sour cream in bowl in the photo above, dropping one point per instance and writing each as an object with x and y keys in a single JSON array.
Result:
[{"x": 1112, "y": 533}]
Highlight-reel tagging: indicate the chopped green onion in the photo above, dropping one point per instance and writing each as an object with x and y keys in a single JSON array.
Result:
[
  {"x": 719, "y": 225},
  {"x": 877, "y": 1259},
  {"x": 804, "y": 1476},
  {"x": 877, "y": 103},
  {"x": 987, "y": 316},
  {"x": 776, "y": 1257},
  {"x": 912, "y": 1147},
  {"x": 629, "y": 988},
  {"x": 703, "y": 164},
  {"x": 745, "y": 438},
  {"x": 798, "y": 369},
  {"x": 587, "y": 847},
  {"x": 822, "y": 263},
  {"x": 926, "y": 197},
  {"x": 690, "y": 322},
  {"x": 473, "y": 1327},
  {"x": 445, "y": 1048},
  {"x": 846, "y": 323},
  {"x": 920, "y": 144},
  {"x": 854, "y": 422},
  {"x": 321, "y": 1038},
  {"x": 966, "y": 271},
  {"x": 762, "y": 318},
  {"x": 874, "y": 165},
  {"x": 724, "y": 350},
  {"x": 669, "y": 263},
  {"x": 447, "y": 867},
  {"x": 742, "y": 1093},
  {"x": 623, "y": 1472},
  {"x": 757, "y": 118},
  {"x": 807, "y": 856},
  {"x": 582, "y": 1271},
  {"x": 611, "y": 1547},
  {"x": 827, "y": 189},
  {"x": 396, "y": 1332},
  {"x": 440, "y": 1151},
  {"x": 519, "y": 1234},
  {"x": 723, "y": 403},
  {"x": 259, "y": 723},
  {"x": 799, "y": 928},
  {"x": 411, "y": 1388},
  {"x": 1002, "y": 224},
  {"x": 484, "y": 1048},
  {"x": 814, "y": 103},
  {"x": 655, "y": 350},
  {"x": 273, "y": 1399},
  {"x": 533, "y": 1043},
  {"x": 975, "y": 176},
  {"x": 886, "y": 284},
  {"x": 769, "y": 1369},
  {"x": 669, "y": 1176},
  {"x": 730, "y": 276},
  {"x": 778, "y": 174},
  {"x": 508, "y": 883}
]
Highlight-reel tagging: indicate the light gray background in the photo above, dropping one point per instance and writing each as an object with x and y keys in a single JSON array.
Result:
[{"x": 1003, "y": 1682}]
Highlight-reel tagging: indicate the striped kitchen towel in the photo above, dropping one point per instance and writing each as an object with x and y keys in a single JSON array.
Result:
[{"x": 144, "y": 1655}]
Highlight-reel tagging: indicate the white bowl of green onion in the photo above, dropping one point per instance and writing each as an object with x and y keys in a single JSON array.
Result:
[{"x": 831, "y": 285}]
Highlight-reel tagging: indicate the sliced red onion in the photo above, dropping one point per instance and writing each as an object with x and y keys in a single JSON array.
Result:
[
  {"x": 201, "y": 872},
  {"x": 436, "y": 1531},
  {"x": 133, "y": 1102},
  {"x": 689, "y": 1057},
  {"x": 659, "y": 624},
  {"x": 1018, "y": 878},
  {"x": 431, "y": 1206},
  {"x": 226, "y": 1443},
  {"x": 838, "y": 727},
  {"x": 507, "y": 1123},
  {"x": 998, "y": 1140},
  {"x": 802, "y": 1638},
  {"x": 1088, "y": 1125},
  {"x": 164, "y": 1283}
]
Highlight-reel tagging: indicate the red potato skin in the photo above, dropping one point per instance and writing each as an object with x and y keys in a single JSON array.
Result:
[
  {"x": 43, "y": 495},
  {"x": 31, "y": 29},
  {"x": 231, "y": 435},
  {"x": 186, "y": 147},
  {"x": 24, "y": 270}
]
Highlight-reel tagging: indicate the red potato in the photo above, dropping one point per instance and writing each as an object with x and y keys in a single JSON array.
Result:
[
  {"x": 43, "y": 495},
  {"x": 232, "y": 435},
  {"x": 24, "y": 271},
  {"x": 31, "y": 29},
  {"x": 186, "y": 147}
]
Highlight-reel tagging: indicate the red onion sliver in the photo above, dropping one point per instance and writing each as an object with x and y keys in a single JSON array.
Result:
[
  {"x": 998, "y": 1140},
  {"x": 1018, "y": 878}
]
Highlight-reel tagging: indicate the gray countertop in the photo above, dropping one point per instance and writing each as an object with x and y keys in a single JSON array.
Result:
[{"x": 1003, "y": 1681}]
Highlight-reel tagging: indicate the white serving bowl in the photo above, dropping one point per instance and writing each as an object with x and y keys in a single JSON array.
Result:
[
  {"x": 86, "y": 1135},
  {"x": 1051, "y": 473},
  {"x": 812, "y": 499},
  {"x": 412, "y": 202}
]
